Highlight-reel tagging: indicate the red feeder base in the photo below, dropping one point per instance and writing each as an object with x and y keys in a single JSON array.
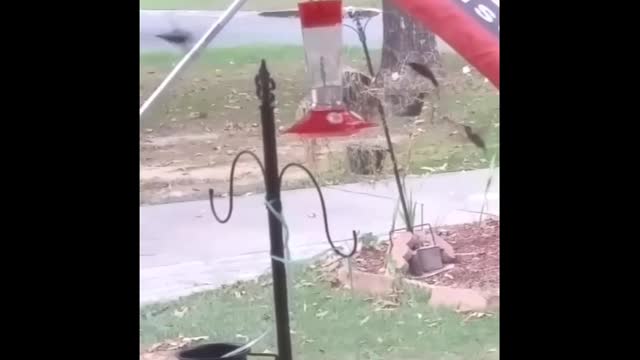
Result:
[{"x": 328, "y": 123}]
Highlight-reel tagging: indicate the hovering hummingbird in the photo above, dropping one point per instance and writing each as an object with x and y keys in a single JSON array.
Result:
[
  {"x": 474, "y": 138},
  {"x": 177, "y": 37},
  {"x": 471, "y": 135},
  {"x": 415, "y": 108},
  {"x": 424, "y": 71}
]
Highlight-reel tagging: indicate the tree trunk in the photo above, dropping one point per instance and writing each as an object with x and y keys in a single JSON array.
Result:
[{"x": 405, "y": 41}]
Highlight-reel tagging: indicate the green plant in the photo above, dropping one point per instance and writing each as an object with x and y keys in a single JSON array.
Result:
[
  {"x": 409, "y": 217},
  {"x": 368, "y": 240},
  {"x": 389, "y": 263},
  {"x": 412, "y": 211},
  {"x": 488, "y": 185},
  {"x": 329, "y": 323}
]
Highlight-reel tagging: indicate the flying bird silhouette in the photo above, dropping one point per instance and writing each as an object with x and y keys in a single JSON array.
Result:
[
  {"x": 474, "y": 138},
  {"x": 415, "y": 107},
  {"x": 177, "y": 37},
  {"x": 424, "y": 71}
]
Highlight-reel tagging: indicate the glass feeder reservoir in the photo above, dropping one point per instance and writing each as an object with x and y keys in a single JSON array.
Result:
[{"x": 322, "y": 37}]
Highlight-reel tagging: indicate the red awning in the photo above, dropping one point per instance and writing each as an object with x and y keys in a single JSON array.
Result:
[{"x": 471, "y": 27}]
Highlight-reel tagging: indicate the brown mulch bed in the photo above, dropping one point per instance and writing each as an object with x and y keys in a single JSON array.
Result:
[
  {"x": 477, "y": 248},
  {"x": 371, "y": 260}
]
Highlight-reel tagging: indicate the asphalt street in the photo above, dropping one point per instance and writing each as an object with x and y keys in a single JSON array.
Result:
[{"x": 184, "y": 250}]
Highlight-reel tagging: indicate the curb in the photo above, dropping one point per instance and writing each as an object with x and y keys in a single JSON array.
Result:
[{"x": 458, "y": 299}]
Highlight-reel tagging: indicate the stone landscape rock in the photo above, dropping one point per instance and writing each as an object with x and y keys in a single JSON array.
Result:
[
  {"x": 458, "y": 299},
  {"x": 366, "y": 283},
  {"x": 402, "y": 244},
  {"x": 448, "y": 254}
]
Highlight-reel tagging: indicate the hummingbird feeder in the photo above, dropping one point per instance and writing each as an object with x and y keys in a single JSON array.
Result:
[{"x": 322, "y": 38}]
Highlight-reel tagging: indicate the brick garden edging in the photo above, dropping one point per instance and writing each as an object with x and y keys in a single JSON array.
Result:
[{"x": 459, "y": 299}]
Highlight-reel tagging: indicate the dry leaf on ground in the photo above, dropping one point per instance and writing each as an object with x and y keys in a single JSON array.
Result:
[{"x": 175, "y": 344}]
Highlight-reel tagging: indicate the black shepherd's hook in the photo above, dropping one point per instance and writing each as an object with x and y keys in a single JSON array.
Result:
[
  {"x": 324, "y": 210},
  {"x": 233, "y": 170},
  {"x": 273, "y": 181},
  {"x": 360, "y": 30}
]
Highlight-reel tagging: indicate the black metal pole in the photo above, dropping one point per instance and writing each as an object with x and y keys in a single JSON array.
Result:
[
  {"x": 264, "y": 87},
  {"x": 396, "y": 173}
]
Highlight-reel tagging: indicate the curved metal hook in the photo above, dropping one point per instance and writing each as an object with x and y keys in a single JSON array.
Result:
[
  {"x": 324, "y": 210},
  {"x": 233, "y": 170}
]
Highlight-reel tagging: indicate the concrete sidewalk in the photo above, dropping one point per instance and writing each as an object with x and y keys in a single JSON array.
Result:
[{"x": 184, "y": 250}]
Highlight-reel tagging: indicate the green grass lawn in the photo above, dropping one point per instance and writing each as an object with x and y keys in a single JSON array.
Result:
[
  {"x": 221, "y": 84},
  {"x": 221, "y": 71},
  {"x": 326, "y": 323},
  {"x": 223, "y": 4}
]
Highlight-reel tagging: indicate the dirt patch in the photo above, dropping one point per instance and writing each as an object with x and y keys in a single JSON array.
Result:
[
  {"x": 184, "y": 166},
  {"x": 477, "y": 248},
  {"x": 372, "y": 259}
]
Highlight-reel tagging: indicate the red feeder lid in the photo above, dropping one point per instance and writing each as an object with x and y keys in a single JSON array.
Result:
[
  {"x": 328, "y": 123},
  {"x": 320, "y": 13}
]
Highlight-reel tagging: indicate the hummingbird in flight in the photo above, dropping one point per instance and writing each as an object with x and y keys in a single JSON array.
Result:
[{"x": 177, "y": 37}]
